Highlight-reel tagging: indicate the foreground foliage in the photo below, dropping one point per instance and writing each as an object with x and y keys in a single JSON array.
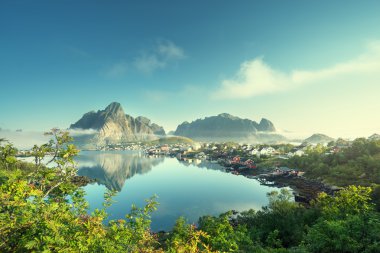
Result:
[
  {"x": 41, "y": 210},
  {"x": 358, "y": 163}
]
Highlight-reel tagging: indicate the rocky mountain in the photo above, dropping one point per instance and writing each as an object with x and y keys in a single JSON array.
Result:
[
  {"x": 112, "y": 126},
  {"x": 226, "y": 127},
  {"x": 157, "y": 130},
  {"x": 318, "y": 138}
]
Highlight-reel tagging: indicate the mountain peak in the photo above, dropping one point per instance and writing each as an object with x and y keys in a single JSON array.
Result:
[
  {"x": 266, "y": 125},
  {"x": 228, "y": 116},
  {"x": 113, "y": 126},
  {"x": 114, "y": 107},
  {"x": 223, "y": 127}
]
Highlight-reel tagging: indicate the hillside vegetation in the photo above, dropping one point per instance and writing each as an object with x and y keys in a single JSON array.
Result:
[
  {"x": 358, "y": 163},
  {"x": 171, "y": 140},
  {"x": 36, "y": 216}
]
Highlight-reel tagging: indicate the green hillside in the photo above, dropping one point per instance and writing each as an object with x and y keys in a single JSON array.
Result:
[{"x": 171, "y": 140}]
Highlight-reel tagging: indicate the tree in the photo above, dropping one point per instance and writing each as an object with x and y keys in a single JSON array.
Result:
[
  {"x": 223, "y": 236},
  {"x": 7, "y": 154},
  {"x": 36, "y": 216},
  {"x": 348, "y": 223},
  {"x": 285, "y": 216},
  {"x": 353, "y": 200},
  {"x": 59, "y": 177},
  {"x": 185, "y": 238}
]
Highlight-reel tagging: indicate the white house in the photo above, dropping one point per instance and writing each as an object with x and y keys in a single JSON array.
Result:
[
  {"x": 254, "y": 151},
  {"x": 196, "y": 146},
  {"x": 299, "y": 152},
  {"x": 186, "y": 149},
  {"x": 267, "y": 151}
]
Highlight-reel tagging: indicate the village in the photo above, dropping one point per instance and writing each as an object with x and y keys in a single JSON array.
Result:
[
  {"x": 253, "y": 161},
  {"x": 262, "y": 162}
]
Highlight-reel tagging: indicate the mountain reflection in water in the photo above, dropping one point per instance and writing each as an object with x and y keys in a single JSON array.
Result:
[
  {"x": 112, "y": 169},
  {"x": 190, "y": 188}
]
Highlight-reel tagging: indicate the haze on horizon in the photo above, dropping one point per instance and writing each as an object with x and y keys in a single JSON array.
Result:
[{"x": 309, "y": 67}]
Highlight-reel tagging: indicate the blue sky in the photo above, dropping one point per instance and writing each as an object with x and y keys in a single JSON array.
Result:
[{"x": 308, "y": 66}]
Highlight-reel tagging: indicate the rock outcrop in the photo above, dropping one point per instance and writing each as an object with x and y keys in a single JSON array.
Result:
[{"x": 113, "y": 126}]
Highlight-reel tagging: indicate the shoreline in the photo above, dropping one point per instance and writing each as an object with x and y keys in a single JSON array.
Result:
[{"x": 304, "y": 189}]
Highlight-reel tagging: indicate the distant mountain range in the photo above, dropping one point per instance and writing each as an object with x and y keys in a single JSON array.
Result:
[
  {"x": 226, "y": 127},
  {"x": 112, "y": 126}
]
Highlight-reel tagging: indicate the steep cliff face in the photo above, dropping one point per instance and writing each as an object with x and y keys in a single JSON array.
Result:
[
  {"x": 266, "y": 126},
  {"x": 224, "y": 127},
  {"x": 157, "y": 130},
  {"x": 113, "y": 126}
]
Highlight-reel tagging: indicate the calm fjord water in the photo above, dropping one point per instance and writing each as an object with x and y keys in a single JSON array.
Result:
[{"x": 183, "y": 189}]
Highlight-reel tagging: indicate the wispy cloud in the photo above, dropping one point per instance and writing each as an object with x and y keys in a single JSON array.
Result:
[
  {"x": 256, "y": 77},
  {"x": 117, "y": 70},
  {"x": 148, "y": 63},
  {"x": 170, "y": 51},
  {"x": 163, "y": 54}
]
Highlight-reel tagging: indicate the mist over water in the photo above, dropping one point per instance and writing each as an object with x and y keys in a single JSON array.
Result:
[{"x": 24, "y": 140}]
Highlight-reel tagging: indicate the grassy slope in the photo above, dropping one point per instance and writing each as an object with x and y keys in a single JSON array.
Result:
[{"x": 171, "y": 140}]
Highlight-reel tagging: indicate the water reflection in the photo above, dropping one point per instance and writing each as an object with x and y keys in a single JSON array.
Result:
[
  {"x": 113, "y": 169},
  {"x": 205, "y": 164},
  {"x": 189, "y": 188}
]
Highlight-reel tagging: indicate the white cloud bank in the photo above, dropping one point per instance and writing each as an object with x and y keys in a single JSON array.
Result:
[
  {"x": 79, "y": 132},
  {"x": 24, "y": 140},
  {"x": 255, "y": 77},
  {"x": 164, "y": 53}
]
